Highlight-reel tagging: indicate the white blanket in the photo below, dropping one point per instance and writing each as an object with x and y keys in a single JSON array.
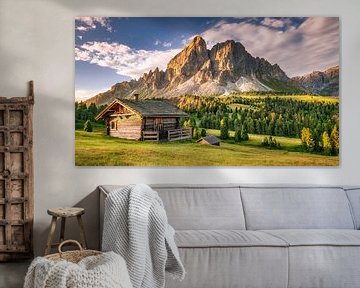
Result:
[
  {"x": 136, "y": 227},
  {"x": 103, "y": 271}
]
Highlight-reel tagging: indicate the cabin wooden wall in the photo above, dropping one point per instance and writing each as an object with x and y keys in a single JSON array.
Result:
[
  {"x": 153, "y": 123},
  {"x": 128, "y": 127},
  {"x": 131, "y": 127}
]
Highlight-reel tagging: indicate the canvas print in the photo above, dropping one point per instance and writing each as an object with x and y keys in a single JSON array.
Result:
[{"x": 207, "y": 91}]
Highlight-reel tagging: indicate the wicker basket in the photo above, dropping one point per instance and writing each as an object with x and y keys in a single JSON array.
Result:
[{"x": 72, "y": 256}]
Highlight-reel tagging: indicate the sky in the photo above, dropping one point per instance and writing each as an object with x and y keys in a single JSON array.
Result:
[{"x": 109, "y": 50}]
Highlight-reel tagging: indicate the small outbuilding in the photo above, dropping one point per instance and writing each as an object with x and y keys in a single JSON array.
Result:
[
  {"x": 146, "y": 119},
  {"x": 210, "y": 140}
]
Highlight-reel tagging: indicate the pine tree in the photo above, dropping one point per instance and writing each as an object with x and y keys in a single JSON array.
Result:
[
  {"x": 92, "y": 112},
  {"x": 224, "y": 131},
  {"x": 307, "y": 139},
  {"x": 317, "y": 140},
  {"x": 237, "y": 136},
  {"x": 244, "y": 133},
  {"x": 334, "y": 138},
  {"x": 88, "y": 126},
  {"x": 326, "y": 143},
  {"x": 196, "y": 133},
  {"x": 250, "y": 125},
  {"x": 203, "y": 132},
  {"x": 181, "y": 121}
]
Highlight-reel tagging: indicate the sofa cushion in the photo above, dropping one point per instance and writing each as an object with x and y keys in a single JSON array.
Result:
[
  {"x": 324, "y": 266},
  {"x": 226, "y": 238},
  {"x": 191, "y": 207},
  {"x": 354, "y": 198},
  {"x": 204, "y": 208},
  {"x": 317, "y": 237},
  {"x": 223, "y": 267},
  {"x": 296, "y": 208},
  {"x": 322, "y": 258}
]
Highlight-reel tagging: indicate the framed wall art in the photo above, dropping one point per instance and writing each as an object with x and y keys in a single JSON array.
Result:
[{"x": 207, "y": 91}]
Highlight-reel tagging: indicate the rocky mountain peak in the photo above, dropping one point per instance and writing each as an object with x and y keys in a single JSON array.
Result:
[
  {"x": 229, "y": 60},
  {"x": 186, "y": 63},
  {"x": 197, "y": 41}
]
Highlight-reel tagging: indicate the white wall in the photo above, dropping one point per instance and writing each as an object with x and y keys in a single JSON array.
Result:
[{"x": 37, "y": 42}]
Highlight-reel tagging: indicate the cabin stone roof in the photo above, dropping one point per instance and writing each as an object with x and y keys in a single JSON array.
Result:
[
  {"x": 146, "y": 108},
  {"x": 212, "y": 140},
  {"x": 154, "y": 107}
]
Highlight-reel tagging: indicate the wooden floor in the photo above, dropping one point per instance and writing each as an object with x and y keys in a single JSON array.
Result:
[{"x": 12, "y": 274}]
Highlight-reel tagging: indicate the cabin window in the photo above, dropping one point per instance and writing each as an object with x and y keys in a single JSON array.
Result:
[{"x": 113, "y": 125}]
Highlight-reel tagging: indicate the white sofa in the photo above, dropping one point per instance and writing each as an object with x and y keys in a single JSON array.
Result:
[{"x": 263, "y": 236}]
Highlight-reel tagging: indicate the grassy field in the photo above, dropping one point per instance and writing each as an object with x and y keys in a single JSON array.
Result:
[
  {"x": 97, "y": 149},
  {"x": 289, "y": 144},
  {"x": 309, "y": 98}
]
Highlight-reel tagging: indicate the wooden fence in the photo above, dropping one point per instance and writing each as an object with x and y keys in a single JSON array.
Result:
[
  {"x": 179, "y": 134},
  {"x": 150, "y": 135}
]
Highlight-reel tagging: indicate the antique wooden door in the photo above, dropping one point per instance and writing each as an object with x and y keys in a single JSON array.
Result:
[{"x": 16, "y": 177}]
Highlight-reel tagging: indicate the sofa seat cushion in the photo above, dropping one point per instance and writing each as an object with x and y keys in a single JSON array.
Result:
[
  {"x": 233, "y": 267},
  {"x": 225, "y": 238},
  {"x": 317, "y": 237}
]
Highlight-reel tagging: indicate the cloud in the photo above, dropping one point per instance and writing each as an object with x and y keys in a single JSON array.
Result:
[
  {"x": 313, "y": 45},
  {"x": 186, "y": 41},
  {"x": 167, "y": 44},
  {"x": 88, "y": 23},
  {"x": 83, "y": 94},
  {"x": 276, "y": 22},
  {"x": 125, "y": 60},
  {"x": 164, "y": 44}
]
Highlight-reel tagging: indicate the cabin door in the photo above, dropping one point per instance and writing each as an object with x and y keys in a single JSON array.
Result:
[{"x": 158, "y": 124}]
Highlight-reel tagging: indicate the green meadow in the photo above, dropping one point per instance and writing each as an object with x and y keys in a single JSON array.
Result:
[{"x": 97, "y": 149}]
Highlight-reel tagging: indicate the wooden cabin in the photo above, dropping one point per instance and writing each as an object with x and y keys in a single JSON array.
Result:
[
  {"x": 210, "y": 140},
  {"x": 148, "y": 119}
]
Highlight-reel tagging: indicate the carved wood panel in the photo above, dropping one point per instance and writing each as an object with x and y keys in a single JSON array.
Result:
[{"x": 16, "y": 177}]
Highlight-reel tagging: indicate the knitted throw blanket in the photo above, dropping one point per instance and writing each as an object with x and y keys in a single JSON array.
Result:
[
  {"x": 103, "y": 271},
  {"x": 136, "y": 227}
]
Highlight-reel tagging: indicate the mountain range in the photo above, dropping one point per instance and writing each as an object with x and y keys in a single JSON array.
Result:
[
  {"x": 320, "y": 82},
  {"x": 226, "y": 68}
]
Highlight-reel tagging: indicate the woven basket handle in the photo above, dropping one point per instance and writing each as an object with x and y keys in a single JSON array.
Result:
[{"x": 69, "y": 241}]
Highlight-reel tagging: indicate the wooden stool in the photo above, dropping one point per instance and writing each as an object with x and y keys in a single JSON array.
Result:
[{"x": 64, "y": 213}]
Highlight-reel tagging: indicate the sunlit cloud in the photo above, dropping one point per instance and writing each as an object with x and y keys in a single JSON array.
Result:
[
  {"x": 277, "y": 22},
  {"x": 314, "y": 45},
  {"x": 125, "y": 60},
  {"x": 88, "y": 23},
  {"x": 83, "y": 94}
]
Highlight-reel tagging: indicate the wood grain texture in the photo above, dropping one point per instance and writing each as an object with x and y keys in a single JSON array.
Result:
[{"x": 16, "y": 177}]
